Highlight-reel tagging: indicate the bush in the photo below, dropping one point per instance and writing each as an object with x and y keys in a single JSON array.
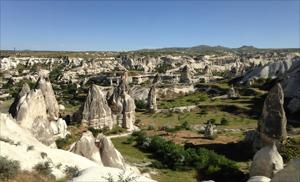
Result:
[
  {"x": 224, "y": 121},
  {"x": 151, "y": 127},
  {"x": 43, "y": 168},
  {"x": 140, "y": 104},
  {"x": 71, "y": 172},
  {"x": 8, "y": 168},
  {"x": 212, "y": 121},
  {"x": 31, "y": 147},
  {"x": 43, "y": 154},
  {"x": 174, "y": 156}
]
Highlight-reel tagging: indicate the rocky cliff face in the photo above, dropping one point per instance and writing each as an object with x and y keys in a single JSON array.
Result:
[
  {"x": 291, "y": 88},
  {"x": 45, "y": 86},
  {"x": 96, "y": 112}
]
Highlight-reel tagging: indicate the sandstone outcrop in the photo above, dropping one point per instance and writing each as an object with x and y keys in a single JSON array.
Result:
[
  {"x": 96, "y": 112},
  {"x": 266, "y": 162},
  {"x": 86, "y": 147}
]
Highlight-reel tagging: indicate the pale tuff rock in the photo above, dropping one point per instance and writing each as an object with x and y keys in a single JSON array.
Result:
[
  {"x": 31, "y": 114},
  {"x": 290, "y": 173},
  {"x": 96, "y": 112},
  {"x": 28, "y": 159},
  {"x": 209, "y": 130},
  {"x": 152, "y": 107},
  {"x": 86, "y": 147},
  {"x": 272, "y": 126},
  {"x": 128, "y": 112},
  {"x": 186, "y": 75},
  {"x": 13, "y": 108},
  {"x": 42, "y": 131},
  {"x": 266, "y": 162},
  {"x": 259, "y": 179},
  {"x": 207, "y": 71},
  {"x": 110, "y": 156},
  {"x": 59, "y": 128},
  {"x": 122, "y": 105},
  {"x": 45, "y": 86},
  {"x": 232, "y": 93},
  {"x": 61, "y": 107}
]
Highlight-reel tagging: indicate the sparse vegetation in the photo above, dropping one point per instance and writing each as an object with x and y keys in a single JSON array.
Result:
[
  {"x": 71, "y": 172},
  {"x": 43, "y": 168},
  {"x": 8, "y": 168}
]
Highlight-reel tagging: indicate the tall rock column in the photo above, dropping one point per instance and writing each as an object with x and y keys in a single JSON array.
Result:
[
  {"x": 122, "y": 105},
  {"x": 152, "y": 107},
  {"x": 45, "y": 86},
  {"x": 186, "y": 75},
  {"x": 272, "y": 126}
]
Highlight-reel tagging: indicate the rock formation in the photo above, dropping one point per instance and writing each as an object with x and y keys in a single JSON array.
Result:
[
  {"x": 209, "y": 130},
  {"x": 19, "y": 140},
  {"x": 109, "y": 155},
  {"x": 31, "y": 114},
  {"x": 86, "y": 147},
  {"x": 122, "y": 105},
  {"x": 96, "y": 112},
  {"x": 272, "y": 126},
  {"x": 45, "y": 86},
  {"x": 266, "y": 162},
  {"x": 152, "y": 107},
  {"x": 185, "y": 76},
  {"x": 232, "y": 93},
  {"x": 59, "y": 128},
  {"x": 290, "y": 173},
  {"x": 13, "y": 108}
]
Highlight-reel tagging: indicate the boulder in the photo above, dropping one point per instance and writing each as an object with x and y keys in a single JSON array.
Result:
[
  {"x": 45, "y": 86},
  {"x": 290, "y": 173},
  {"x": 110, "y": 156},
  {"x": 259, "y": 179},
  {"x": 59, "y": 128},
  {"x": 266, "y": 162},
  {"x": 86, "y": 147},
  {"x": 152, "y": 107},
  {"x": 272, "y": 126},
  {"x": 96, "y": 112}
]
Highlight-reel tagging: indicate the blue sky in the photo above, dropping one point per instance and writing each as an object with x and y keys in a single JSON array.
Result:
[{"x": 130, "y": 25}]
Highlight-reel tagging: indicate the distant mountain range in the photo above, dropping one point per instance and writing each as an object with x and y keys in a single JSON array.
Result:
[{"x": 214, "y": 49}]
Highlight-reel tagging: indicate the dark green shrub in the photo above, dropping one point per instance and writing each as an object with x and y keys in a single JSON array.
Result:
[
  {"x": 71, "y": 172},
  {"x": 224, "y": 121},
  {"x": 8, "y": 168},
  {"x": 140, "y": 104},
  {"x": 212, "y": 121},
  {"x": 43, "y": 168}
]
